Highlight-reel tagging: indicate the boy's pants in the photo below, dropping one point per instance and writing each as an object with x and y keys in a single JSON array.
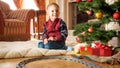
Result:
[{"x": 54, "y": 45}]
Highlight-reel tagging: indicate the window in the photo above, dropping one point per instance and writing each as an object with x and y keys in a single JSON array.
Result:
[
  {"x": 27, "y": 4},
  {"x": 10, "y": 3}
]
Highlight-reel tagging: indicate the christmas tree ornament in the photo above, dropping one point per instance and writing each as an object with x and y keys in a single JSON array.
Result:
[
  {"x": 90, "y": 29},
  {"x": 89, "y": 12},
  {"x": 112, "y": 26},
  {"x": 89, "y": 0},
  {"x": 110, "y": 2},
  {"x": 116, "y": 15},
  {"x": 99, "y": 15},
  {"x": 78, "y": 0}
]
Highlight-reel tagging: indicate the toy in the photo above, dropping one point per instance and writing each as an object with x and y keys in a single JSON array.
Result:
[{"x": 76, "y": 48}]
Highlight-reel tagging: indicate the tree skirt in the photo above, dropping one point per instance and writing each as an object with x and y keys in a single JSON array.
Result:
[{"x": 55, "y": 62}]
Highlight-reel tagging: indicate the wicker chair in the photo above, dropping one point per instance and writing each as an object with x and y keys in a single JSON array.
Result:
[{"x": 15, "y": 24}]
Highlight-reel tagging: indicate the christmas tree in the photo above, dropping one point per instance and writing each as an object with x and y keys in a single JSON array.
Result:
[{"x": 108, "y": 14}]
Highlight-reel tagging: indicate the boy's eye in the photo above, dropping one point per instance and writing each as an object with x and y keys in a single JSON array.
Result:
[{"x": 54, "y": 10}]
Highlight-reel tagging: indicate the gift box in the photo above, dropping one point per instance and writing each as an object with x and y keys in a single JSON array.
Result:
[
  {"x": 85, "y": 50},
  {"x": 102, "y": 50}
]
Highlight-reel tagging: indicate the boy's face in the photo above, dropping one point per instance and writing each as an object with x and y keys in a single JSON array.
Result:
[{"x": 53, "y": 12}]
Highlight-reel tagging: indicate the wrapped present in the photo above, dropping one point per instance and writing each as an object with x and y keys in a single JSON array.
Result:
[
  {"x": 85, "y": 50},
  {"x": 102, "y": 50}
]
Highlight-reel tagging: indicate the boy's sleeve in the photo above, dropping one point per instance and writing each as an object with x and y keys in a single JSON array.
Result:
[
  {"x": 44, "y": 33},
  {"x": 63, "y": 31}
]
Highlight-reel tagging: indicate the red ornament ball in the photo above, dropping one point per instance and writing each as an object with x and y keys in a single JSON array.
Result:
[
  {"x": 89, "y": 0},
  {"x": 116, "y": 15},
  {"x": 90, "y": 29},
  {"x": 90, "y": 12},
  {"x": 78, "y": 0}
]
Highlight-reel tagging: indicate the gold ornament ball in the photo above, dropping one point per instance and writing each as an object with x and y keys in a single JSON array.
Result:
[{"x": 99, "y": 15}]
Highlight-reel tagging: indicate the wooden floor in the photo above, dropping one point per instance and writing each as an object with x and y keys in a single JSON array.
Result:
[
  {"x": 10, "y": 63},
  {"x": 51, "y": 63},
  {"x": 55, "y": 63}
]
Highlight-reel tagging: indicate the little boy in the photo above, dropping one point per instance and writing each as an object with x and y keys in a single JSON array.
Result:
[{"x": 55, "y": 30}]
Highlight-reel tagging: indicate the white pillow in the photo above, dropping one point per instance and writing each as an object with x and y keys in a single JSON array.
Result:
[{"x": 54, "y": 52}]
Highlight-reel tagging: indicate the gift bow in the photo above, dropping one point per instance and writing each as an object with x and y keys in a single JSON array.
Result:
[{"x": 103, "y": 46}]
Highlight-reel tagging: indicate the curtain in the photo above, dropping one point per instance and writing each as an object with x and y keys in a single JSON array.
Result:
[
  {"x": 40, "y": 4},
  {"x": 18, "y": 3}
]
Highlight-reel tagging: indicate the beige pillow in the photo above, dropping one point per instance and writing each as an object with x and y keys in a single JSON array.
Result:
[
  {"x": 55, "y": 52},
  {"x": 16, "y": 52},
  {"x": 19, "y": 52},
  {"x": 3, "y": 52},
  {"x": 34, "y": 52}
]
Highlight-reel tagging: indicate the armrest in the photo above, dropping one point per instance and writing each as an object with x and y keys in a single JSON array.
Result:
[
  {"x": 14, "y": 23},
  {"x": 21, "y": 14}
]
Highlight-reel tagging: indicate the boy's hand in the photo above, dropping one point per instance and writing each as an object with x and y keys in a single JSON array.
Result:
[
  {"x": 52, "y": 38},
  {"x": 45, "y": 41}
]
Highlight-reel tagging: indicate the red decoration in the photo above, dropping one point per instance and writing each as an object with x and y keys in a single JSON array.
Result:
[
  {"x": 101, "y": 50},
  {"x": 89, "y": 0},
  {"x": 116, "y": 15},
  {"x": 78, "y": 0},
  {"x": 90, "y": 29},
  {"x": 98, "y": 44},
  {"x": 90, "y": 12}
]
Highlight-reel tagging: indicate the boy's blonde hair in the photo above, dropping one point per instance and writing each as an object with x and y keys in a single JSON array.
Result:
[{"x": 55, "y": 4}]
